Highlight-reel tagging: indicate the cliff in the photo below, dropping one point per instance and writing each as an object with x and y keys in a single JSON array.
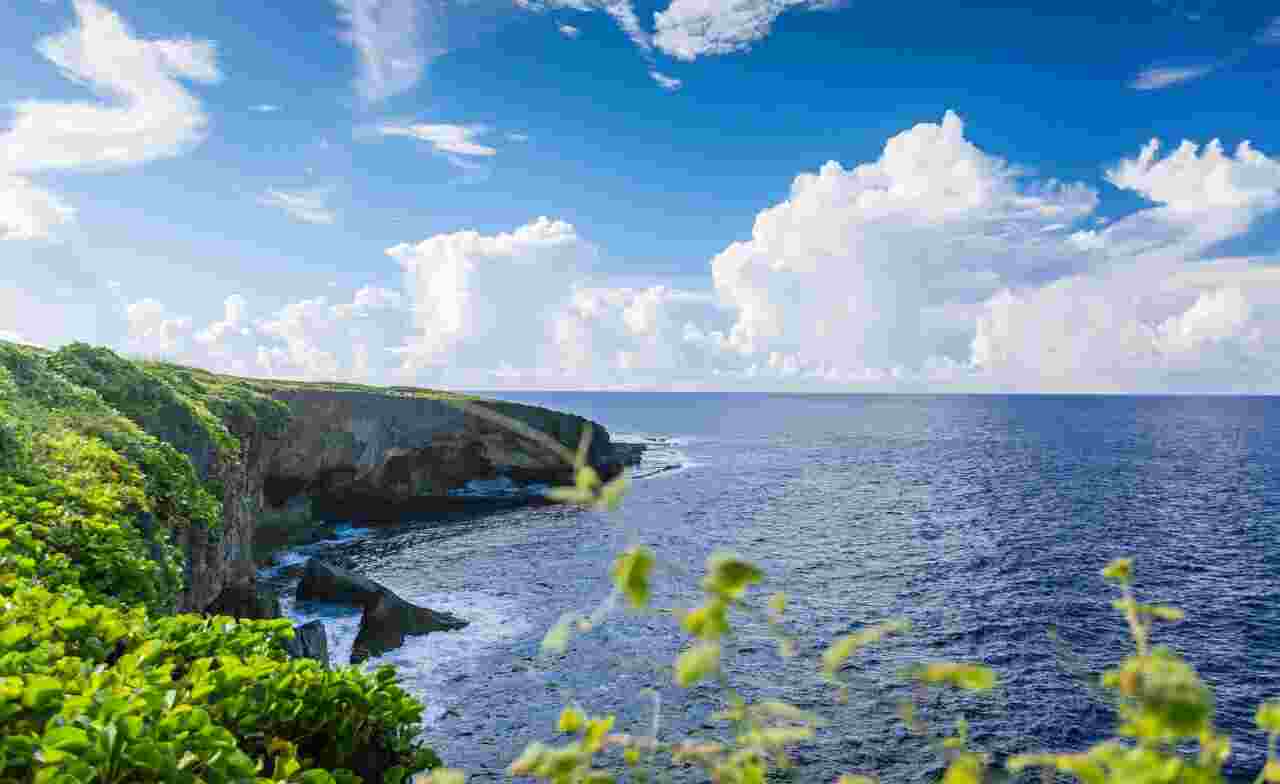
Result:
[{"x": 262, "y": 451}]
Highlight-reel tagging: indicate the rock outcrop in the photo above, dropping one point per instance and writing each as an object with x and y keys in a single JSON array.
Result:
[
  {"x": 364, "y": 452},
  {"x": 379, "y": 451},
  {"x": 387, "y": 618},
  {"x": 310, "y": 642}
]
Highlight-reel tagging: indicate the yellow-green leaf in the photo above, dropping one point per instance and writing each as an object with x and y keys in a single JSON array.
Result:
[
  {"x": 631, "y": 572},
  {"x": 698, "y": 662}
]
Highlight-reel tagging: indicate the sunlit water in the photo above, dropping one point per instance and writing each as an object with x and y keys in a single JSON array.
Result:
[{"x": 982, "y": 520}]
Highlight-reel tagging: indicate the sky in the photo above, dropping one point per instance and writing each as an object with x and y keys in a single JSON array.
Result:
[{"x": 778, "y": 195}]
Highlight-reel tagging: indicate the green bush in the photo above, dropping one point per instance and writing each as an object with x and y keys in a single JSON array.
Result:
[{"x": 98, "y": 683}]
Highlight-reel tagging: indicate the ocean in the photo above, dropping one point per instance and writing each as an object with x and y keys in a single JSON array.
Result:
[{"x": 982, "y": 520}]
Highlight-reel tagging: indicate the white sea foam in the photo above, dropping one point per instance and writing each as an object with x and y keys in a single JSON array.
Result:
[{"x": 424, "y": 662}]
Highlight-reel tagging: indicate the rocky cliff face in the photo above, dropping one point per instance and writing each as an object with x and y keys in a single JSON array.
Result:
[
  {"x": 222, "y": 560},
  {"x": 377, "y": 453},
  {"x": 397, "y": 448}
]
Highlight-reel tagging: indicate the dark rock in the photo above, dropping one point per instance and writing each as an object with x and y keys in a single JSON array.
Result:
[
  {"x": 245, "y": 599},
  {"x": 324, "y": 582},
  {"x": 310, "y": 642},
  {"x": 389, "y": 619}
]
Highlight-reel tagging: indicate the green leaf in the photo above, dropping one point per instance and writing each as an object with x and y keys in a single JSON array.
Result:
[
  {"x": 842, "y": 648},
  {"x": 571, "y": 720},
  {"x": 1268, "y": 717},
  {"x": 698, "y": 662},
  {"x": 1119, "y": 571},
  {"x": 729, "y": 576},
  {"x": 15, "y": 634},
  {"x": 631, "y": 572},
  {"x": 966, "y": 676},
  {"x": 709, "y": 622}
]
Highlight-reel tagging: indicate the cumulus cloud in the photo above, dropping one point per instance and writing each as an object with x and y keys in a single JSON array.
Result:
[
  {"x": 1155, "y": 78},
  {"x": 145, "y": 113},
  {"x": 569, "y": 31},
  {"x": 309, "y": 206},
  {"x": 1155, "y": 314},
  {"x": 849, "y": 274},
  {"x": 689, "y": 29},
  {"x": 386, "y": 37},
  {"x": 153, "y": 330},
  {"x": 666, "y": 82},
  {"x": 472, "y": 294},
  {"x": 936, "y": 265}
]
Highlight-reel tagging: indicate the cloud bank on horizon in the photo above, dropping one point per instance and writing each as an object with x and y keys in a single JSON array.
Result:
[{"x": 934, "y": 265}]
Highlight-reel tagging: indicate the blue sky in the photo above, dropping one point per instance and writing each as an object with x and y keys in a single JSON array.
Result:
[{"x": 603, "y": 194}]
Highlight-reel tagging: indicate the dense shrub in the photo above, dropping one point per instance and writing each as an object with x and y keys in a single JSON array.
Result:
[{"x": 98, "y": 683}]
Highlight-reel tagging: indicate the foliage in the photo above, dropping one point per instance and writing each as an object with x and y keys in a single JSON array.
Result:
[
  {"x": 97, "y": 681},
  {"x": 91, "y": 692}
]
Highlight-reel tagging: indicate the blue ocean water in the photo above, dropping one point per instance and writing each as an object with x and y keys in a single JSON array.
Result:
[{"x": 983, "y": 520}]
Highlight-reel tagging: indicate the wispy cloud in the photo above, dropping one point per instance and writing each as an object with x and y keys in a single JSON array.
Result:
[
  {"x": 1160, "y": 78},
  {"x": 517, "y": 137},
  {"x": 264, "y": 108},
  {"x": 388, "y": 43},
  {"x": 569, "y": 31},
  {"x": 666, "y": 82},
  {"x": 308, "y": 205},
  {"x": 154, "y": 116},
  {"x": 443, "y": 137}
]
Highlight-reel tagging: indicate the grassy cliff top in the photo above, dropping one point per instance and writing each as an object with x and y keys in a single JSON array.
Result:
[{"x": 214, "y": 381}]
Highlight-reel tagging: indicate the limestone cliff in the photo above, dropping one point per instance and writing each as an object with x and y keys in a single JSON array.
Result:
[
  {"x": 222, "y": 456},
  {"x": 370, "y": 452}
]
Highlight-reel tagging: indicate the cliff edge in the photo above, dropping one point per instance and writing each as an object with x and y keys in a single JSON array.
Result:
[{"x": 262, "y": 450}]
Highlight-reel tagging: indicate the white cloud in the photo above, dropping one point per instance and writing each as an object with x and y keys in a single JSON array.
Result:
[
  {"x": 232, "y": 323},
  {"x": 388, "y": 44},
  {"x": 1193, "y": 181},
  {"x": 300, "y": 326},
  {"x": 517, "y": 137},
  {"x": 937, "y": 265},
  {"x": 569, "y": 31},
  {"x": 146, "y": 113},
  {"x": 1155, "y": 314},
  {"x": 1159, "y": 78},
  {"x": 443, "y": 137},
  {"x": 478, "y": 299},
  {"x": 308, "y": 206},
  {"x": 621, "y": 11},
  {"x": 666, "y": 82},
  {"x": 264, "y": 108},
  {"x": 153, "y": 330},
  {"x": 689, "y": 29},
  {"x": 28, "y": 212},
  {"x": 848, "y": 275}
]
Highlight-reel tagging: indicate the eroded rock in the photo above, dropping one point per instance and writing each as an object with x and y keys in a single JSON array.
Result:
[
  {"x": 387, "y": 618},
  {"x": 310, "y": 642}
]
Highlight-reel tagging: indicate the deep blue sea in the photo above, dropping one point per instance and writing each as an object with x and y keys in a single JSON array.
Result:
[{"x": 983, "y": 520}]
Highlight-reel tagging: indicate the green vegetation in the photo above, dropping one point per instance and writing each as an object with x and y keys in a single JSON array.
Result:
[{"x": 99, "y": 682}]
